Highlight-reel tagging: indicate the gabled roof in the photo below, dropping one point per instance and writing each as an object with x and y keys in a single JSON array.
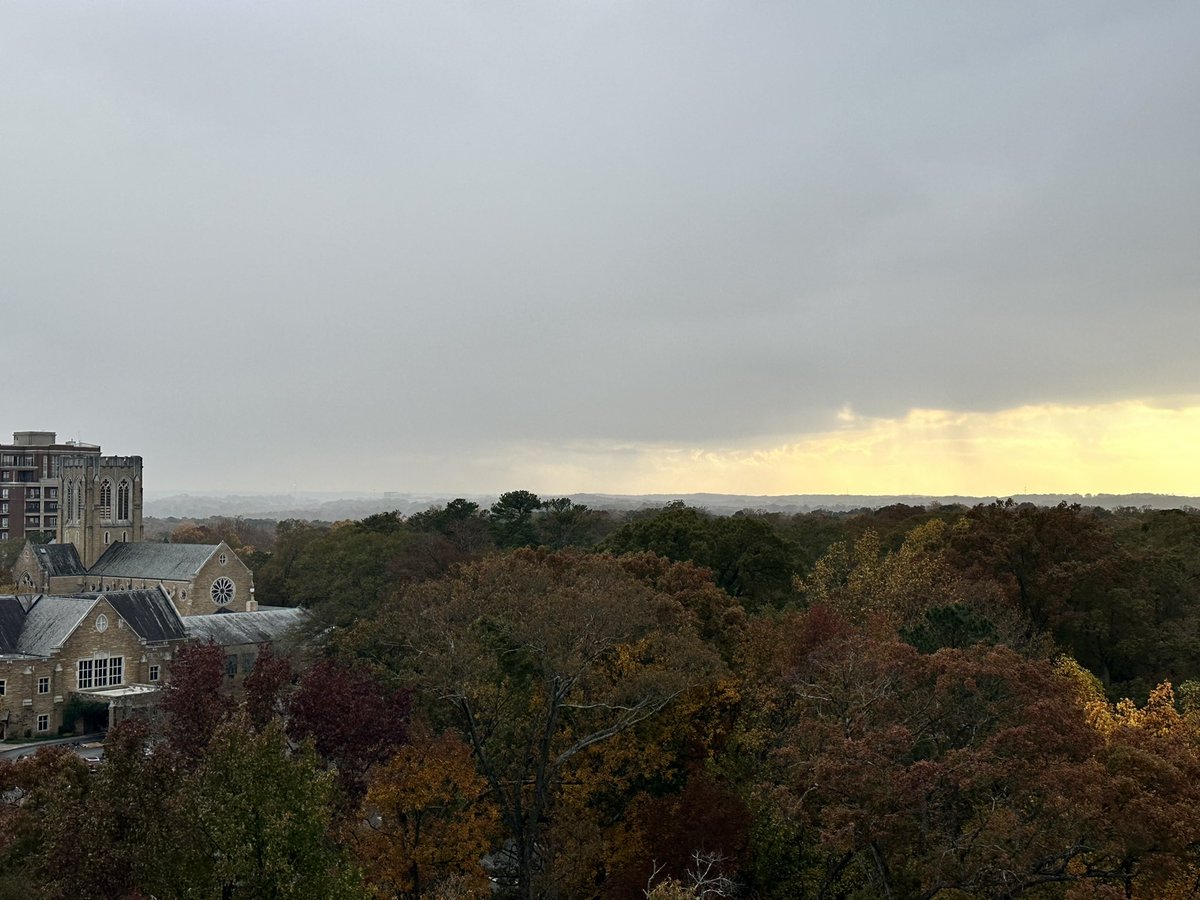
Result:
[
  {"x": 258, "y": 627},
  {"x": 58, "y": 559},
  {"x": 50, "y": 622},
  {"x": 164, "y": 562},
  {"x": 150, "y": 614},
  {"x": 38, "y": 625}
]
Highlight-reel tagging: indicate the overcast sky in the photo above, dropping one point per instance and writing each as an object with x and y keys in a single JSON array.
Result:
[{"x": 619, "y": 246}]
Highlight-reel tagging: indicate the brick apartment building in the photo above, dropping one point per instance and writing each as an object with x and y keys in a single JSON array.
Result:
[{"x": 68, "y": 492}]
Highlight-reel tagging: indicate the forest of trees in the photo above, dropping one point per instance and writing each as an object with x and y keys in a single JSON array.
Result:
[{"x": 541, "y": 700}]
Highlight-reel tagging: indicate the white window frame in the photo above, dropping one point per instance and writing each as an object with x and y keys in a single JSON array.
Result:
[
  {"x": 99, "y": 672},
  {"x": 43, "y": 684},
  {"x": 154, "y": 673},
  {"x": 43, "y": 723}
]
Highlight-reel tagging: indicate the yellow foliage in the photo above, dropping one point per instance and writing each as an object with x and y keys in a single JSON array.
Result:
[
  {"x": 1089, "y": 694},
  {"x": 603, "y": 789},
  {"x": 1159, "y": 717},
  {"x": 863, "y": 583},
  {"x": 425, "y": 822}
]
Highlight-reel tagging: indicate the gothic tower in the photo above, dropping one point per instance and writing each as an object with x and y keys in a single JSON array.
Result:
[{"x": 101, "y": 500}]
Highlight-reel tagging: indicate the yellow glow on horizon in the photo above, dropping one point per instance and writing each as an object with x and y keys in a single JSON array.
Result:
[{"x": 1126, "y": 447}]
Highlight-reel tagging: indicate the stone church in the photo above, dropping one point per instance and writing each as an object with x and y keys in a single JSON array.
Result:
[{"x": 96, "y": 612}]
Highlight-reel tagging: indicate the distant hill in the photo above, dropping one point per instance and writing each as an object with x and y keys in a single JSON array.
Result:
[{"x": 332, "y": 506}]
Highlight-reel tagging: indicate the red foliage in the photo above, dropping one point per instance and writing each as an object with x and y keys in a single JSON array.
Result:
[
  {"x": 264, "y": 684},
  {"x": 969, "y": 770},
  {"x": 352, "y": 718},
  {"x": 192, "y": 698}
]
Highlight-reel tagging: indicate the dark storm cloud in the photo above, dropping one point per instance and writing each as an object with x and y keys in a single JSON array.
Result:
[{"x": 440, "y": 227}]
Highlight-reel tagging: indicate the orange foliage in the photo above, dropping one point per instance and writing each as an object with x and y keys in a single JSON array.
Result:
[{"x": 426, "y": 822}]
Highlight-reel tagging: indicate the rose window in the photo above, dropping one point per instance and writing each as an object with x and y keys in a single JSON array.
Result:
[{"x": 222, "y": 591}]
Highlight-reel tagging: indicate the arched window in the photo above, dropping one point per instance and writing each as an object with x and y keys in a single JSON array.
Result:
[
  {"x": 70, "y": 501},
  {"x": 106, "y": 501},
  {"x": 123, "y": 501}
]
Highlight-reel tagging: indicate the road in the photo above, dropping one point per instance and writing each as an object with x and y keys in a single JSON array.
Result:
[{"x": 89, "y": 747}]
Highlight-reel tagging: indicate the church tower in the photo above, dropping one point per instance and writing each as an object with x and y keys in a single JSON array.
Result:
[{"x": 101, "y": 500}]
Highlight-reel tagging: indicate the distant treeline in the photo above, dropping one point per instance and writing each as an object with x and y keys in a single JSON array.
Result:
[{"x": 1118, "y": 589}]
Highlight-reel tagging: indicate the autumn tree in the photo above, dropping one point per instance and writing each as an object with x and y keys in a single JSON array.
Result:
[
  {"x": 38, "y": 798},
  {"x": 426, "y": 820},
  {"x": 598, "y": 835},
  {"x": 1151, "y": 755},
  {"x": 192, "y": 699},
  {"x": 264, "y": 685},
  {"x": 914, "y": 774},
  {"x": 245, "y": 537},
  {"x": 862, "y": 581},
  {"x": 536, "y": 657},
  {"x": 353, "y": 719}
]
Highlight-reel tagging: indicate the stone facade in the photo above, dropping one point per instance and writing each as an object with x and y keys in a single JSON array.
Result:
[
  {"x": 200, "y": 579},
  {"x": 112, "y": 648},
  {"x": 47, "y": 569},
  {"x": 36, "y": 688},
  {"x": 100, "y": 503}
]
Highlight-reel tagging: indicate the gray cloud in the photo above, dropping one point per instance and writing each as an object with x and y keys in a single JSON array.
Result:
[{"x": 411, "y": 234}]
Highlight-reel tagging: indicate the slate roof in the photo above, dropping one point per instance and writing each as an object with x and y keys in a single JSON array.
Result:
[
  {"x": 12, "y": 620},
  {"x": 37, "y": 625},
  {"x": 50, "y": 622},
  {"x": 59, "y": 559},
  {"x": 258, "y": 627},
  {"x": 165, "y": 562},
  {"x": 150, "y": 614}
]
